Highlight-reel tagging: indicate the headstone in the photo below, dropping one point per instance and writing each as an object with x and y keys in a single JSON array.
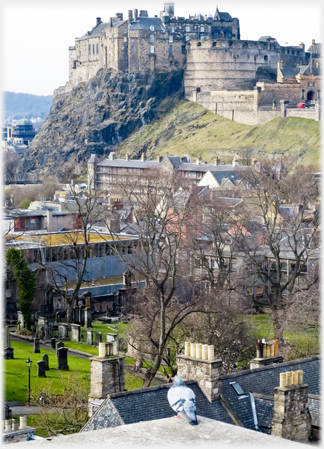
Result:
[
  {"x": 41, "y": 369},
  {"x": 63, "y": 330},
  {"x": 36, "y": 346},
  {"x": 62, "y": 359},
  {"x": 81, "y": 316},
  {"x": 75, "y": 332},
  {"x": 87, "y": 317},
  {"x": 47, "y": 332},
  {"x": 121, "y": 344},
  {"x": 57, "y": 317},
  {"x": 46, "y": 361},
  {"x": 21, "y": 319},
  {"x": 75, "y": 315},
  {"x": 89, "y": 336},
  {"x": 53, "y": 342},
  {"x": 98, "y": 337},
  {"x": 111, "y": 337},
  {"x": 59, "y": 345},
  {"x": 6, "y": 343},
  {"x": 8, "y": 351},
  {"x": 42, "y": 322}
]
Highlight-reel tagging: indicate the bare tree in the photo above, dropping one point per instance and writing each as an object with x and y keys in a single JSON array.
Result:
[
  {"x": 11, "y": 161},
  {"x": 163, "y": 214},
  {"x": 277, "y": 213}
]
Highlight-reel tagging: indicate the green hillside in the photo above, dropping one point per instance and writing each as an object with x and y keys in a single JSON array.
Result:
[{"x": 188, "y": 128}]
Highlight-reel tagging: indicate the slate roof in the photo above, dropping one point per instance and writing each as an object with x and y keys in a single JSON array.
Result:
[
  {"x": 221, "y": 175},
  {"x": 175, "y": 161},
  {"x": 128, "y": 164},
  {"x": 289, "y": 72},
  {"x": 147, "y": 404},
  {"x": 96, "y": 31},
  {"x": 263, "y": 381},
  {"x": 266, "y": 39},
  {"x": 225, "y": 16},
  {"x": 144, "y": 23},
  {"x": 188, "y": 166}
]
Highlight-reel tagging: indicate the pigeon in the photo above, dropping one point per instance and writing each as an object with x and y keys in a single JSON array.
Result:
[{"x": 183, "y": 401}]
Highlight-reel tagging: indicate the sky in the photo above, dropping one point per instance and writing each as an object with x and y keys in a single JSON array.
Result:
[{"x": 36, "y": 34}]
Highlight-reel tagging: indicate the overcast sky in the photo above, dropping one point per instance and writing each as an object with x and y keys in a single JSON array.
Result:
[{"x": 36, "y": 34}]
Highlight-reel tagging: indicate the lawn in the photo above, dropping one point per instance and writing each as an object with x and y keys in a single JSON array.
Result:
[{"x": 16, "y": 371}]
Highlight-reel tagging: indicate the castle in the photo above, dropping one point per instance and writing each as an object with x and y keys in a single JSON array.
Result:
[{"x": 247, "y": 81}]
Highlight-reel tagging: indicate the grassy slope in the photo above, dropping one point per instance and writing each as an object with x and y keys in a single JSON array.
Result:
[{"x": 188, "y": 128}]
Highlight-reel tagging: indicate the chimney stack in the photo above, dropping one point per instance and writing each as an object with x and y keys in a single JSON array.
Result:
[
  {"x": 143, "y": 157},
  {"x": 266, "y": 354},
  {"x": 127, "y": 157},
  {"x": 217, "y": 160},
  {"x": 120, "y": 15},
  {"x": 112, "y": 155},
  {"x": 99, "y": 21},
  {"x": 111, "y": 22},
  {"x": 291, "y": 418},
  {"x": 130, "y": 16},
  {"x": 199, "y": 363},
  {"x": 159, "y": 158},
  {"x": 235, "y": 162},
  {"x": 199, "y": 160},
  {"x": 135, "y": 14},
  {"x": 313, "y": 41},
  {"x": 143, "y": 13}
]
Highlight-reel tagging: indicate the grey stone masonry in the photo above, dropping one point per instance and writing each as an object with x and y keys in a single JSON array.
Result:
[
  {"x": 46, "y": 361},
  {"x": 75, "y": 332},
  {"x": 59, "y": 345},
  {"x": 291, "y": 418},
  {"x": 62, "y": 359},
  {"x": 259, "y": 362},
  {"x": 205, "y": 372},
  {"x": 89, "y": 336},
  {"x": 63, "y": 330},
  {"x": 41, "y": 369},
  {"x": 36, "y": 346},
  {"x": 107, "y": 376}
]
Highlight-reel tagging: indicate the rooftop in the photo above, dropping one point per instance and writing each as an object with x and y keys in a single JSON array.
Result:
[{"x": 168, "y": 432}]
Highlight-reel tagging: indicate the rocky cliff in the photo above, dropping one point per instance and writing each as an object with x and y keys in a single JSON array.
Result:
[{"x": 96, "y": 117}]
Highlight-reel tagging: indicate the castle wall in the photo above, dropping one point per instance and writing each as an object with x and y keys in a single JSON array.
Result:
[
  {"x": 270, "y": 93},
  {"x": 227, "y": 65}
]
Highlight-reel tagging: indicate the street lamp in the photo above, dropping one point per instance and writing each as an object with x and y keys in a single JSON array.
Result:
[{"x": 29, "y": 363}]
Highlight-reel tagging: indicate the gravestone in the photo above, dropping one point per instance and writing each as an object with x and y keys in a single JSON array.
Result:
[
  {"x": 53, "y": 342},
  {"x": 89, "y": 336},
  {"x": 41, "y": 369},
  {"x": 75, "y": 315},
  {"x": 121, "y": 344},
  {"x": 47, "y": 332},
  {"x": 59, "y": 345},
  {"x": 57, "y": 317},
  {"x": 87, "y": 317},
  {"x": 111, "y": 337},
  {"x": 75, "y": 332},
  {"x": 63, "y": 330},
  {"x": 42, "y": 322},
  {"x": 46, "y": 361},
  {"x": 62, "y": 359},
  {"x": 81, "y": 316},
  {"x": 36, "y": 346},
  {"x": 8, "y": 352},
  {"x": 98, "y": 337},
  {"x": 21, "y": 319}
]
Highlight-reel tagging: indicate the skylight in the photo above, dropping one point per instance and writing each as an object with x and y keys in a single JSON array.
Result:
[{"x": 238, "y": 389}]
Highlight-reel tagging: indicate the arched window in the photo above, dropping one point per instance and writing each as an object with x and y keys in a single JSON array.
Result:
[
  {"x": 266, "y": 58},
  {"x": 303, "y": 94},
  {"x": 214, "y": 44},
  {"x": 199, "y": 44}
]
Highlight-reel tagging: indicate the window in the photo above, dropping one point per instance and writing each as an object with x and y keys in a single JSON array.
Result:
[
  {"x": 238, "y": 389},
  {"x": 170, "y": 39},
  {"x": 152, "y": 49},
  {"x": 266, "y": 58},
  {"x": 187, "y": 38},
  {"x": 318, "y": 94},
  {"x": 172, "y": 29},
  {"x": 89, "y": 49},
  {"x": 125, "y": 30},
  {"x": 170, "y": 50},
  {"x": 202, "y": 29},
  {"x": 214, "y": 264},
  {"x": 152, "y": 38},
  {"x": 199, "y": 44},
  {"x": 187, "y": 29},
  {"x": 97, "y": 49},
  {"x": 125, "y": 39},
  {"x": 93, "y": 49},
  {"x": 303, "y": 94},
  {"x": 183, "y": 49},
  {"x": 197, "y": 263}
]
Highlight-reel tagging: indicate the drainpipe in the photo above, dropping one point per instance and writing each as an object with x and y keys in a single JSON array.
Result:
[{"x": 254, "y": 413}]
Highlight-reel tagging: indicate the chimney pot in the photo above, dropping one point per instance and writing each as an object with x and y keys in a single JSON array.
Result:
[
  {"x": 187, "y": 348},
  {"x": 192, "y": 349},
  {"x": 98, "y": 21},
  {"x": 283, "y": 380},
  {"x": 313, "y": 41},
  {"x": 217, "y": 160},
  {"x": 288, "y": 374},
  {"x": 204, "y": 352},
  {"x": 127, "y": 157},
  {"x": 135, "y": 14},
  {"x": 211, "y": 355},
  {"x": 198, "y": 350},
  {"x": 300, "y": 376},
  {"x": 143, "y": 158},
  {"x": 130, "y": 16}
]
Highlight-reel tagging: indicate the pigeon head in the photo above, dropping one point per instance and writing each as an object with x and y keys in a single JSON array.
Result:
[{"x": 178, "y": 382}]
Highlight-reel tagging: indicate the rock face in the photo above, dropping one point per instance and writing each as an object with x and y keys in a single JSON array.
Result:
[{"x": 96, "y": 117}]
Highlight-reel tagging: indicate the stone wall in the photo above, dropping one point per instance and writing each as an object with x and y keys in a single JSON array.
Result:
[
  {"x": 270, "y": 93},
  {"x": 205, "y": 372},
  {"x": 227, "y": 65}
]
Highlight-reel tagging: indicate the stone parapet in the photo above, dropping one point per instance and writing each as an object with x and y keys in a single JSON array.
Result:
[
  {"x": 291, "y": 418},
  {"x": 205, "y": 372}
]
